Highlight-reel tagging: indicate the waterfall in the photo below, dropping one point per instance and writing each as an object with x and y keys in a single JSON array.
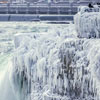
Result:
[
  {"x": 57, "y": 63},
  {"x": 17, "y": 66},
  {"x": 6, "y": 91},
  {"x": 57, "y": 66}
]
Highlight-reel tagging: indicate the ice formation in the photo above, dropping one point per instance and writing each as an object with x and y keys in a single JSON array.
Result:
[
  {"x": 33, "y": 58},
  {"x": 87, "y": 22},
  {"x": 56, "y": 65},
  {"x": 15, "y": 80},
  {"x": 59, "y": 64}
]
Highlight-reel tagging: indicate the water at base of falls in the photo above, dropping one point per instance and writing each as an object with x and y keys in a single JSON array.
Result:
[
  {"x": 6, "y": 91},
  {"x": 47, "y": 62}
]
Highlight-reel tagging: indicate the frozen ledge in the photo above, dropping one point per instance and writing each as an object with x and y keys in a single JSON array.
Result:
[{"x": 87, "y": 23}]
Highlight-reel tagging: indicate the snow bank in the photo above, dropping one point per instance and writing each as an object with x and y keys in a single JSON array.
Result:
[{"x": 87, "y": 22}]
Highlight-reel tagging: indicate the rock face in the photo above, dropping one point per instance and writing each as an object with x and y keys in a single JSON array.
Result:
[{"x": 58, "y": 65}]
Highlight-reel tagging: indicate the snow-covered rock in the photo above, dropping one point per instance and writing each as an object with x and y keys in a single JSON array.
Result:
[
  {"x": 83, "y": 9},
  {"x": 87, "y": 23}
]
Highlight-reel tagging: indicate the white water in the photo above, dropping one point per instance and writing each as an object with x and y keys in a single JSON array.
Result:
[{"x": 6, "y": 91}]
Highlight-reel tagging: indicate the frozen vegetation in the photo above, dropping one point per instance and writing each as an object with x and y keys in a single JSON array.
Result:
[{"x": 59, "y": 62}]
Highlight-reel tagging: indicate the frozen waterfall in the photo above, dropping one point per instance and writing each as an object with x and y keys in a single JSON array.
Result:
[
  {"x": 59, "y": 69},
  {"x": 57, "y": 65},
  {"x": 60, "y": 63}
]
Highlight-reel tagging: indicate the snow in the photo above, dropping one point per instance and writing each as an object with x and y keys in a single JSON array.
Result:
[
  {"x": 37, "y": 53},
  {"x": 87, "y": 22}
]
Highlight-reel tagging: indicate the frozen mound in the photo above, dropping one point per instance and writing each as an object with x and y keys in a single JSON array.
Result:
[
  {"x": 56, "y": 65},
  {"x": 87, "y": 22}
]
